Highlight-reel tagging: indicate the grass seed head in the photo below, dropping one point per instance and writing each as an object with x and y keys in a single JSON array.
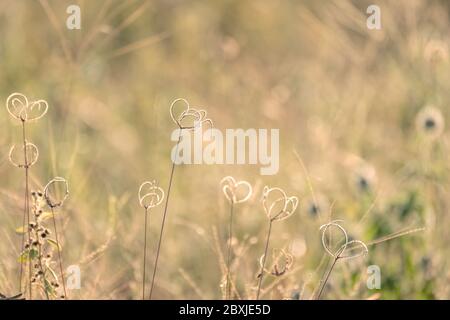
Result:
[
  {"x": 21, "y": 109},
  {"x": 150, "y": 194},
  {"x": 51, "y": 195},
  {"x": 277, "y": 205},
  {"x": 236, "y": 191}
]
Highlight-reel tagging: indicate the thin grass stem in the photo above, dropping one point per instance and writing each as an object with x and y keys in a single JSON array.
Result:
[
  {"x": 145, "y": 253},
  {"x": 263, "y": 265},
  {"x": 327, "y": 276},
  {"x": 58, "y": 245},
  {"x": 26, "y": 212},
  {"x": 164, "y": 218},
  {"x": 230, "y": 237}
]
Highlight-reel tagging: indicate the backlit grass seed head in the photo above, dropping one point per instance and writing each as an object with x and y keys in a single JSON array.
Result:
[
  {"x": 430, "y": 122},
  {"x": 21, "y": 109},
  {"x": 32, "y": 153},
  {"x": 188, "y": 117},
  {"x": 277, "y": 205},
  {"x": 51, "y": 195},
  {"x": 282, "y": 262},
  {"x": 436, "y": 51},
  {"x": 236, "y": 191},
  {"x": 348, "y": 250},
  {"x": 150, "y": 194}
]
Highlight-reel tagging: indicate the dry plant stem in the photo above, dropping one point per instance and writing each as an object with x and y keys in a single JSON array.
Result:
[
  {"x": 316, "y": 270},
  {"x": 327, "y": 276},
  {"x": 41, "y": 267},
  {"x": 145, "y": 253},
  {"x": 261, "y": 274},
  {"x": 24, "y": 221},
  {"x": 164, "y": 218},
  {"x": 230, "y": 236},
  {"x": 26, "y": 212},
  {"x": 59, "y": 253}
]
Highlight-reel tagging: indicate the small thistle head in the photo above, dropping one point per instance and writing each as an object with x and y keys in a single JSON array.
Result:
[
  {"x": 38, "y": 212},
  {"x": 150, "y": 194},
  {"x": 317, "y": 205},
  {"x": 277, "y": 205},
  {"x": 54, "y": 194},
  {"x": 343, "y": 248},
  {"x": 17, "y": 157},
  {"x": 430, "y": 122},
  {"x": 236, "y": 191},
  {"x": 21, "y": 109},
  {"x": 38, "y": 202},
  {"x": 365, "y": 178},
  {"x": 188, "y": 117}
]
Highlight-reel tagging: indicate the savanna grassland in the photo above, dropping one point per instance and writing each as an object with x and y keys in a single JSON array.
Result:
[{"x": 363, "y": 139}]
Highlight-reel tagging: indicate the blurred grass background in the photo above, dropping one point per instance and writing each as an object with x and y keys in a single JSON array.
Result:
[{"x": 345, "y": 98}]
